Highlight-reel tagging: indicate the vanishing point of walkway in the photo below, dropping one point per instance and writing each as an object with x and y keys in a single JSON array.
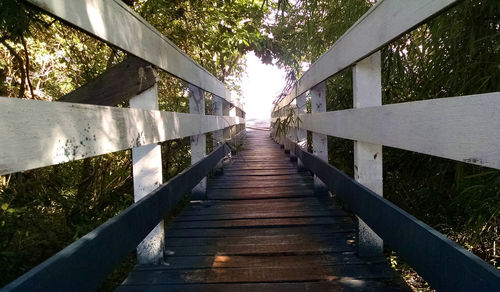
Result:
[{"x": 263, "y": 229}]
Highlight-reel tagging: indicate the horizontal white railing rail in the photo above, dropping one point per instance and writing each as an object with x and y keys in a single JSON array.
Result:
[
  {"x": 465, "y": 128},
  {"x": 38, "y": 133}
]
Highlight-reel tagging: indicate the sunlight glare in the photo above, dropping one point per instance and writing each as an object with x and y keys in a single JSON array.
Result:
[{"x": 260, "y": 86}]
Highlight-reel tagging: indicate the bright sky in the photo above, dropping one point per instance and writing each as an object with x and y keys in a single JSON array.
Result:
[{"x": 260, "y": 87}]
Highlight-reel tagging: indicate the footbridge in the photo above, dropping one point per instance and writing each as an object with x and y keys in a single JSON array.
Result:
[{"x": 262, "y": 216}]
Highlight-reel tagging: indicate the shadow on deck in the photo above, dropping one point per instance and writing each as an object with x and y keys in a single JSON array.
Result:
[{"x": 263, "y": 229}]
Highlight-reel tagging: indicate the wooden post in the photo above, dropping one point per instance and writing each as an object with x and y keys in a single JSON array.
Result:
[
  {"x": 238, "y": 114},
  {"x": 301, "y": 133},
  {"x": 368, "y": 157},
  {"x": 226, "y": 106},
  {"x": 319, "y": 141},
  {"x": 147, "y": 171},
  {"x": 218, "y": 136},
  {"x": 218, "y": 103},
  {"x": 232, "y": 113},
  {"x": 198, "y": 142}
]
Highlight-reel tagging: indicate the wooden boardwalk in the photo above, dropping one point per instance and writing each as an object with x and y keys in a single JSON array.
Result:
[{"x": 263, "y": 229}]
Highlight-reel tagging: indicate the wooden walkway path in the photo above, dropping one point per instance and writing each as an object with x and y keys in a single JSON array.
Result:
[{"x": 262, "y": 229}]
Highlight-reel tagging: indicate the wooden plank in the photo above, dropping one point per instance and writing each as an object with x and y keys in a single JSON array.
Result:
[
  {"x": 345, "y": 284},
  {"x": 256, "y": 185},
  {"x": 190, "y": 262},
  {"x": 465, "y": 128},
  {"x": 253, "y": 203},
  {"x": 101, "y": 18},
  {"x": 332, "y": 246},
  {"x": 241, "y": 178},
  {"x": 238, "y": 232},
  {"x": 147, "y": 174},
  {"x": 38, "y": 133},
  {"x": 231, "y": 207},
  {"x": 261, "y": 274},
  {"x": 254, "y": 240},
  {"x": 244, "y": 164},
  {"x": 86, "y": 262},
  {"x": 217, "y": 208},
  {"x": 267, "y": 222},
  {"x": 367, "y": 92},
  {"x": 250, "y": 181},
  {"x": 252, "y": 194},
  {"x": 262, "y": 173},
  {"x": 384, "y": 22},
  {"x": 257, "y": 214},
  {"x": 439, "y": 260},
  {"x": 117, "y": 84}
]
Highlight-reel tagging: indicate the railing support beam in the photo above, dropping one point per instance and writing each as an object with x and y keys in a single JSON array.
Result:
[
  {"x": 233, "y": 129},
  {"x": 147, "y": 171},
  {"x": 218, "y": 104},
  {"x": 301, "y": 133},
  {"x": 218, "y": 136},
  {"x": 319, "y": 141},
  {"x": 367, "y": 156},
  {"x": 226, "y": 107},
  {"x": 198, "y": 142}
]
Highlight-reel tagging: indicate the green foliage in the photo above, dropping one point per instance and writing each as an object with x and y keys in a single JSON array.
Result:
[
  {"x": 59, "y": 61},
  {"x": 303, "y": 31},
  {"x": 283, "y": 125},
  {"x": 46, "y": 209},
  {"x": 216, "y": 34},
  {"x": 15, "y": 19}
]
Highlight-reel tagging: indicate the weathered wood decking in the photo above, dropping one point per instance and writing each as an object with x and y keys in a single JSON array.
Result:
[{"x": 263, "y": 229}]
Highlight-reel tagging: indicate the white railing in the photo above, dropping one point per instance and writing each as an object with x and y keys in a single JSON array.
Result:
[
  {"x": 463, "y": 128},
  {"x": 37, "y": 134}
]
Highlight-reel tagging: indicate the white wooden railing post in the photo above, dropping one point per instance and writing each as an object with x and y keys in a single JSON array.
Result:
[
  {"x": 367, "y": 156},
  {"x": 147, "y": 171},
  {"x": 233, "y": 129},
  {"x": 226, "y": 106},
  {"x": 198, "y": 142},
  {"x": 319, "y": 141},
  {"x": 301, "y": 133},
  {"x": 238, "y": 114},
  {"x": 219, "y": 134},
  {"x": 287, "y": 136}
]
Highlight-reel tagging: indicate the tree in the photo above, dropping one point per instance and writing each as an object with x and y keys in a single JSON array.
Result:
[{"x": 216, "y": 34}]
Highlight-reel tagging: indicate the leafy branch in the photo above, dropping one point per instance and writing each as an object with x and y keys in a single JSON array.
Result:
[{"x": 282, "y": 125}]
